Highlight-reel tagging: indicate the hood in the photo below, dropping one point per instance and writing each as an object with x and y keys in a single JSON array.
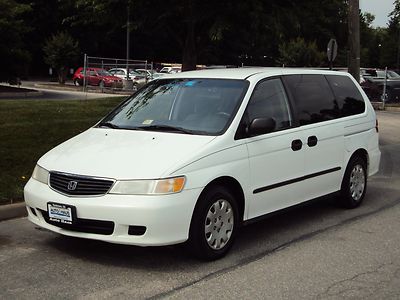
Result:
[{"x": 123, "y": 154}]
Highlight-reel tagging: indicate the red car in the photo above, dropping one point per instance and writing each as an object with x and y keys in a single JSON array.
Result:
[{"x": 96, "y": 76}]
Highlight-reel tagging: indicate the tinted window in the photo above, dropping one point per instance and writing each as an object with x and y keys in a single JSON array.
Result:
[
  {"x": 349, "y": 98},
  {"x": 267, "y": 101},
  {"x": 313, "y": 98}
]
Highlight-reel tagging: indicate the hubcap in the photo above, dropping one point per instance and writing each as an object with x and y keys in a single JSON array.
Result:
[
  {"x": 357, "y": 182},
  {"x": 218, "y": 225}
]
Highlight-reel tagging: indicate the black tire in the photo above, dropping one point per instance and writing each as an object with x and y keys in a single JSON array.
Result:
[
  {"x": 77, "y": 83},
  {"x": 354, "y": 184},
  {"x": 202, "y": 244}
]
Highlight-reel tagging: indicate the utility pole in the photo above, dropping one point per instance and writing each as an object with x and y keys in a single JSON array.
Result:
[
  {"x": 127, "y": 41},
  {"x": 354, "y": 38}
]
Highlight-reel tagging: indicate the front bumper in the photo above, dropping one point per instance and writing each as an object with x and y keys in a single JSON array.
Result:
[{"x": 166, "y": 218}]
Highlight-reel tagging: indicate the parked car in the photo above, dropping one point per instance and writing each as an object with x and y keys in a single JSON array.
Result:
[
  {"x": 96, "y": 76},
  {"x": 373, "y": 82},
  {"x": 193, "y": 156},
  {"x": 171, "y": 70},
  {"x": 138, "y": 79},
  {"x": 149, "y": 74},
  {"x": 376, "y": 74}
]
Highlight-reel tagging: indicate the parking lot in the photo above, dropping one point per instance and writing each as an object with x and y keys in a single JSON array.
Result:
[{"x": 316, "y": 251}]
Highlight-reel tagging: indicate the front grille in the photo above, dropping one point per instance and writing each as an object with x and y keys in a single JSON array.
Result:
[
  {"x": 83, "y": 225},
  {"x": 79, "y": 185}
]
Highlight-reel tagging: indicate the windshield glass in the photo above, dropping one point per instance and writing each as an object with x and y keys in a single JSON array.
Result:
[
  {"x": 197, "y": 106},
  {"x": 392, "y": 74}
]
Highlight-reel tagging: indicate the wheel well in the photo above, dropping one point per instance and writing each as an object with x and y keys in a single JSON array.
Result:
[
  {"x": 233, "y": 186},
  {"x": 363, "y": 154}
]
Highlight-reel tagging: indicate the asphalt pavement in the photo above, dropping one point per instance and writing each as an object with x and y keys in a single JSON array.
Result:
[{"x": 316, "y": 251}]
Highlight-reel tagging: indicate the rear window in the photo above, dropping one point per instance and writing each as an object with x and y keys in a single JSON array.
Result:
[{"x": 348, "y": 97}]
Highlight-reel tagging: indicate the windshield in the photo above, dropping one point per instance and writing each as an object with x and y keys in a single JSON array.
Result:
[
  {"x": 197, "y": 106},
  {"x": 392, "y": 74}
]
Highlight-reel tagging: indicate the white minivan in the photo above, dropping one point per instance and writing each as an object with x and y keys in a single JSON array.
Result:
[{"x": 192, "y": 156}]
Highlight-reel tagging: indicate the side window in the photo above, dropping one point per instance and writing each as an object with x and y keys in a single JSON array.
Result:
[
  {"x": 349, "y": 98},
  {"x": 313, "y": 97},
  {"x": 269, "y": 101}
]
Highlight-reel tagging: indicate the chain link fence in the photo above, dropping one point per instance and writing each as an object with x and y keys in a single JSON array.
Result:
[{"x": 112, "y": 74}]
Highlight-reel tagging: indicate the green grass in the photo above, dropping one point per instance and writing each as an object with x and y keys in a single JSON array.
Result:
[{"x": 29, "y": 128}]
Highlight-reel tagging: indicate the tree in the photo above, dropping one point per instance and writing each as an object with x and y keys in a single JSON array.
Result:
[
  {"x": 391, "y": 44},
  {"x": 12, "y": 46},
  {"x": 299, "y": 53},
  {"x": 61, "y": 51},
  {"x": 192, "y": 31}
]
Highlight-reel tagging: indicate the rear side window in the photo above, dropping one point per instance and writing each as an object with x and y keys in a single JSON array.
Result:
[
  {"x": 313, "y": 97},
  {"x": 348, "y": 97}
]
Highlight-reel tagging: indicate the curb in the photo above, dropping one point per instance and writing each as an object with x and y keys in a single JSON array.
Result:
[
  {"x": 20, "y": 95},
  {"x": 12, "y": 211},
  {"x": 65, "y": 88}
]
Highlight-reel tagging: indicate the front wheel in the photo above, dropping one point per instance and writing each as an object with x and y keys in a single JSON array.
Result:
[
  {"x": 214, "y": 224},
  {"x": 354, "y": 185},
  {"x": 76, "y": 82},
  {"x": 101, "y": 84}
]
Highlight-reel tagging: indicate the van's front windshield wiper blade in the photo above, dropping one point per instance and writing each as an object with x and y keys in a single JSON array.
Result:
[
  {"x": 165, "y": 128},
  {"x": 108, "y": 125}
]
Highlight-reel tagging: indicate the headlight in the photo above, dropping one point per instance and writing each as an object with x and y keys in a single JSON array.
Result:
[
  {"x": 149, "y": 187},
  {"x": 40, "y": 174}
]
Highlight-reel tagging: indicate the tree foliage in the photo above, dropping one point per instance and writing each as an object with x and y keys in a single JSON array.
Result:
[
  {"x": 61, "y": 52},
  {"x": 299, "y": 53},
  {"x": 251, "y": 32},
  {"x": 12, "y": 31}
]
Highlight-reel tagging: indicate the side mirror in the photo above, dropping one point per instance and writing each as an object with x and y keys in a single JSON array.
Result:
[{"x": 261, "y": 126}]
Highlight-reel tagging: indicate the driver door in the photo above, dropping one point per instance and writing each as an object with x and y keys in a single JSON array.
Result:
[{"x": 276, "y": 159}]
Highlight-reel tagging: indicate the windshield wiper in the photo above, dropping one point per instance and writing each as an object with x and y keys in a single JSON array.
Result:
[
  {"x": 165, "y": 128},
  {"x": 108, "y": 125}
]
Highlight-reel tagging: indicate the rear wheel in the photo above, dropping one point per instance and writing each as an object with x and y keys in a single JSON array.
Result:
[
  {"x": 354, "y": 185},
  {"x": 214, "y": 224}
]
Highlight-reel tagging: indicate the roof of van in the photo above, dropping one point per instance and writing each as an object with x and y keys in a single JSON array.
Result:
[{"x": 244, "y": 73}]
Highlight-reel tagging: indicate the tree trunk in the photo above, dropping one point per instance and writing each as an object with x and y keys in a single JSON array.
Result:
[{"x": 62, "y": 75}]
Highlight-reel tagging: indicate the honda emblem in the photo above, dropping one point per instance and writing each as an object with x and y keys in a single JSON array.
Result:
[{"x": 72, "y": 185}]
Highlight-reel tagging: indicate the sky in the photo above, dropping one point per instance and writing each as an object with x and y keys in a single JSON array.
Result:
[{"x": 380, "y": 9}]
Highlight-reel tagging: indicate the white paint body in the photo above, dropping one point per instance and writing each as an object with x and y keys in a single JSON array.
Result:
[{"x": 253, "y": 162}]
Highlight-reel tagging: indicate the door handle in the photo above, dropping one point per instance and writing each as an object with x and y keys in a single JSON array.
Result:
[
  {"x": 297, "y": 145},
  {"x": 312, "y": 141}
]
